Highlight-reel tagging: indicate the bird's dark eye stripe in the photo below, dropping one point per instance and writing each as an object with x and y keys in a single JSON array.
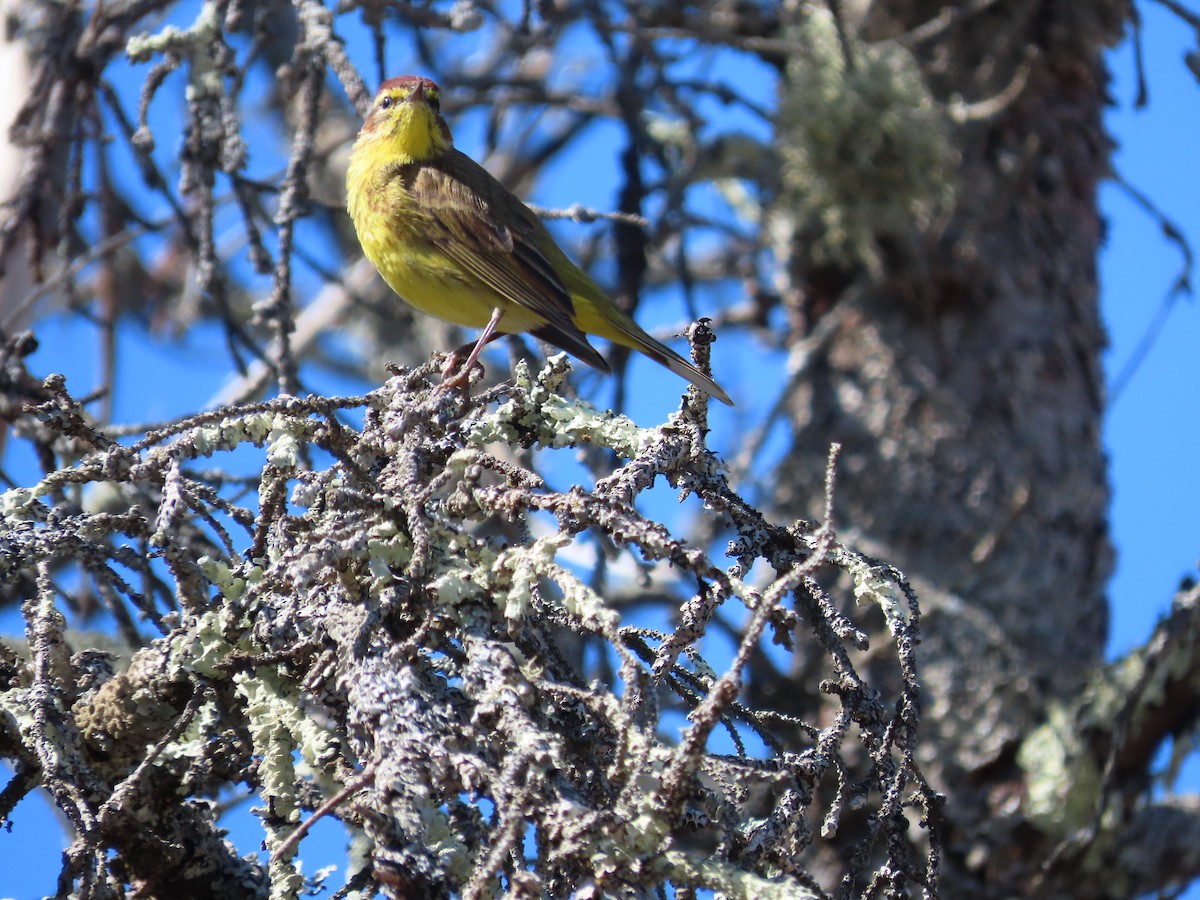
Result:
[{"x": 435, "y": 102}]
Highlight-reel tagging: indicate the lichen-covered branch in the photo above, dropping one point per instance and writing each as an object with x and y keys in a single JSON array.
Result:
[{"x": 405, "y": 609}]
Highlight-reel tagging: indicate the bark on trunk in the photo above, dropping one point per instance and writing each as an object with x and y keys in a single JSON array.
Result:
[{"x": 959, "y": 365}]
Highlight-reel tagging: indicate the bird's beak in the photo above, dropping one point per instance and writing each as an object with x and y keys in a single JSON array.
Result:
[{"x": 418, "y": 94}]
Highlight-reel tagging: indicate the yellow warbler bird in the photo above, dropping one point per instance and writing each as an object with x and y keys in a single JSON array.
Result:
[{"x": 455, "y": 243}]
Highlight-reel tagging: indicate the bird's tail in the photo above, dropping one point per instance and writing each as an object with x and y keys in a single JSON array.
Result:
[
  {"x": 664, "y": 355},
  {"x": 596, "y": 314}
]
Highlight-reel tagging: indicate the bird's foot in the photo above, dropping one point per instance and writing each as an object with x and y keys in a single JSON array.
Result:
[
  {"x": 456, "y": 372},
  {"x": 463, "y": 378}
]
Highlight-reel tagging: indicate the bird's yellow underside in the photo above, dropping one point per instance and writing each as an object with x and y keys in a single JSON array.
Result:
[{"x": 427, "y": 279}]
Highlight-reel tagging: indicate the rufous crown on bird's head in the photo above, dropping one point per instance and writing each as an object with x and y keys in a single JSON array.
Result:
[{"x": 411, "y": 107}]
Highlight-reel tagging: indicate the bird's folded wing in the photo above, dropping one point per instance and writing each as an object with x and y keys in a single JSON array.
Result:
[{"x": 464, "y": 227}]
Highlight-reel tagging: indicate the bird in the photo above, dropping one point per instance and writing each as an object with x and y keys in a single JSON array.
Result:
[{"x": 456, "y": 244}]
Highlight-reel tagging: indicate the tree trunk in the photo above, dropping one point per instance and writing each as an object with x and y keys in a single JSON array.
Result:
[{"x": 957, "y": 360}]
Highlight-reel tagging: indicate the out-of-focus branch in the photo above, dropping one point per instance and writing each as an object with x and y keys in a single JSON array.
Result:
[{"x": 1094, "y": 758}]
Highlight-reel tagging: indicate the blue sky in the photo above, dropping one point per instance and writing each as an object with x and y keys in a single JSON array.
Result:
[{"x": 1150, "y": 433}]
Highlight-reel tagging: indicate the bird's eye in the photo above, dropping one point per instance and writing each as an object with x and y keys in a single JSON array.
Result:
[
  {"x": 434, "y": 102},
  {"x": 385, "y": 103}
]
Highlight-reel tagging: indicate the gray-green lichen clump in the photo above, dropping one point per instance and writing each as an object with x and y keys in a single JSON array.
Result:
[{"x": 863, "y": 143}]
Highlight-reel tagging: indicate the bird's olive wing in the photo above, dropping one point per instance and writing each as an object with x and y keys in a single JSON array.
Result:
[{"x": 492, "y": 236}]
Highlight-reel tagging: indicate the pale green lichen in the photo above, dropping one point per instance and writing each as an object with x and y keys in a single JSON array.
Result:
[
  {"x": 196, "y": 738},
  {"x": 103, "y": 497},
  {"x": 557, "y": 421},
  {"x": 745, "y": 204},
  {"x": 256, "y": 428},
  {"x": 19, "y": 503},
  {"x": 873, "y": 585},
  {"x": 205, "y": 646},
  {"x": 670, "y": 131},
  {"x": 864, "y": 145},
  {"x": 586, "y": 605},
  {"x": 290, "y": 744},
  {"x": 287, "y": 436},
  {"x": 441, "y": 839},
  {"x": 635, "y": 845},
  {"x": 1108, "y": 695},
  {"x": 1062, "y": 783},
  {"x": 230, "y": 582},
  {"x": 279, "y": 727},
  {"x": 465, "y": 572},
  {"x": 456, "y": 586},
  {"x": 575, "y": 422},
  {"x": 359, "y": 853},
  {"x": 642, "y": 842},
  {"x": 227, "y": 434},
  {"x": 193, "y": 42},
  {"x": 461, "y": 459},
  {"x": 285, "y": 879},
  {"x": 523, "y": 567},
  {"x": 388, "y": 549}
]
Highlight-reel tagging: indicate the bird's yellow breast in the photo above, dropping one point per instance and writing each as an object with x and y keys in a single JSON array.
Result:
[{"x": 395, "y": 230}]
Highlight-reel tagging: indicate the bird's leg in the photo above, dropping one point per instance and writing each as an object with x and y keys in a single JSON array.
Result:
[{"x": 464, "y": 372}]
